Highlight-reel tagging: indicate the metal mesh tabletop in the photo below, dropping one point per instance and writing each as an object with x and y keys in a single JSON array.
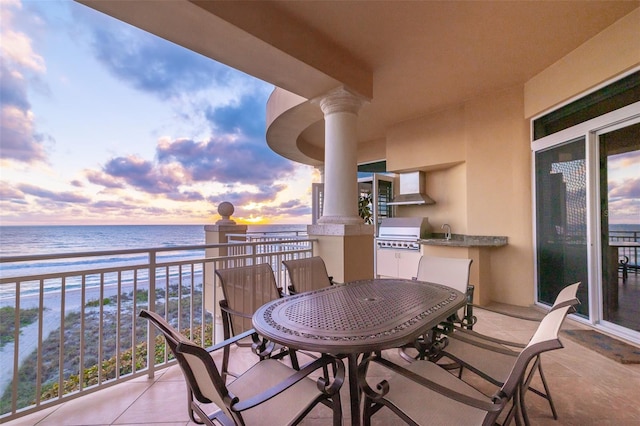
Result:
[{"x": 361, "y": 316}]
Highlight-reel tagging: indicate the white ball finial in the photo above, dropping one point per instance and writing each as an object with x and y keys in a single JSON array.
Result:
[{"x": 226, "y": 209}]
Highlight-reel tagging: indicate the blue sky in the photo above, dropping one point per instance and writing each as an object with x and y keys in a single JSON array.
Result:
[{"x": 104, "y": 123}]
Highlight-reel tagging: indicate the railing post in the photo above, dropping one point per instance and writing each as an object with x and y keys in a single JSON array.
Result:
[
  {"x": 151, "y": 298},
  {"x": 217, "y": 234}
]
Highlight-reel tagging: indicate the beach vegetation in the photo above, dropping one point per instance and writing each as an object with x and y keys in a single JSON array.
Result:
[
  {"x": 84, "y": 366},
  {"x": 7, "y": 323},
  {"x": 96, "y": 302}
]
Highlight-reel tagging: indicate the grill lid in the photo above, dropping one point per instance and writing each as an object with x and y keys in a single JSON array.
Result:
[{"x": 405, "y": 228}]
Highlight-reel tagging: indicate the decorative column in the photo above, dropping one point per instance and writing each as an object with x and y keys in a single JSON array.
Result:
[
  {"x": 340, "y": 108},
  {"x": 217, "y": 234},
  {"x": 343, "y": 240}
]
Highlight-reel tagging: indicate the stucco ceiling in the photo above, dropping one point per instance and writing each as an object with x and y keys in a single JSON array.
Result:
[{"x": 409, "y": 57}]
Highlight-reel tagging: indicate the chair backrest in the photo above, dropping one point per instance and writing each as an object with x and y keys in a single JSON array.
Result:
[
  {"x": 568, "y": 296},
  {"x": 307, "y": 274},
  {"x": 245, "y": 289},
  {"x": 447, "y": 271},
  {"x": 544, "y": 339},
  {"x": 197, "y": 365},
  {"x": 207, "y": 379}
]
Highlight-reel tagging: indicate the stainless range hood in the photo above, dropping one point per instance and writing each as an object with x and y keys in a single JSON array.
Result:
[{"x": 411, "y": 190}]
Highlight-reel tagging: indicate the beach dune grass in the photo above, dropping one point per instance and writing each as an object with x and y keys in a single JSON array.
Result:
[
  {"x": 132, "y": 350},
  {"x": 7, "y": 323}
]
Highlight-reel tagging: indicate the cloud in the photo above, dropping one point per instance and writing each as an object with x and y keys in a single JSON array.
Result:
[
  {"x": 186, "y": 196},
  {"x": 20, "y": 142},
  {"x": 142, "y": 174},
  {"x": 242, "y": 198},
  {"x": 225, "y": 161},
  {"x": 628, "y": 188},
  {"x": 16, "y": 46},
  {"x": 9, "y": 193},
  {"x": 246, "y": 116},
  {"x": 61, "y": 197},
  {"x": 98, "y": 177},
  {"x": 145, "y": 61},
  {"x": 111, "y": 205},
  {"x": 292, "y": 208}
]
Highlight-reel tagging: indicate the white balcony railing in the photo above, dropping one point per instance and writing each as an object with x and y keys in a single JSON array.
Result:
[{"x": 70, "y": 321}]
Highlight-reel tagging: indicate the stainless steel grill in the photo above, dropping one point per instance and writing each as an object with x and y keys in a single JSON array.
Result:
[{"x": 402, "y": 232}]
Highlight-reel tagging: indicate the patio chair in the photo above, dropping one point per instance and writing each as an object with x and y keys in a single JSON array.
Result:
[
  {"x": 245, "y": 289},
  {"x": 423, "y": 393},
  {"x": 454, "y": 273},
  {"x": 492, "y": 358},
  {"x": 451, "y": 272},
  {"x": 267, "y": 393},
  {"x": 307, "y": 274}
]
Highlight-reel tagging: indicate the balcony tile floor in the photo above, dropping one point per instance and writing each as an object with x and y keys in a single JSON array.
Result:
[{"x": 588, "y": 389}]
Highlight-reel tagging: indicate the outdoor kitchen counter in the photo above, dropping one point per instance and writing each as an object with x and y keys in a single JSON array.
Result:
[
  {"x": 458, "y": 240},
  {"x": 477, "y": 248}
]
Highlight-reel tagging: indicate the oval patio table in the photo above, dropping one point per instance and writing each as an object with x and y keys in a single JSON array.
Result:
[{"x": 356, "y": 318}]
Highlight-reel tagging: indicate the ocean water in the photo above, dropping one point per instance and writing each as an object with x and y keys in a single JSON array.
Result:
[
  {"x": 30, "y": 240},
  {"x": 625, "y": 227},
  {"x": 43, "y": 240}
]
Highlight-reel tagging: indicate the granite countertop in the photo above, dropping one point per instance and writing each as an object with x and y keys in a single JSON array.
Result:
[{"x": 458, "y": 240}]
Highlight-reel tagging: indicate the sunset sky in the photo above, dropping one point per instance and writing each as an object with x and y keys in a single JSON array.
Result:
[{"x": 103, "y": 123}]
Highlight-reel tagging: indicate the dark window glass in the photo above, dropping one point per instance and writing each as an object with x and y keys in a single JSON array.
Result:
[
  {"x": 614, "y": 96},
  {"x": 561, "y": 221}
]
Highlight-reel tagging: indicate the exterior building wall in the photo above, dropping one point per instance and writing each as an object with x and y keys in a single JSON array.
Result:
[
  {"x": 478, "y": 158},
  {"x": 371, "y": 151},
  {"x": 610, "y": 53},
  {"x": 499, "y": 191},
  {"x": 478, "y": 163}
]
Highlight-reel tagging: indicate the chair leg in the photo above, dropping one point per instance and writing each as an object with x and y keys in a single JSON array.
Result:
[
  {"x": 366, "y": 412},
  {"x": 516, "y": 406},
  {"x": 294, "y": 359},
  {"x": 521, "y": 405},
  {"x": 197, "y": 419},
  {"x": 547, "y": 392},
  {"x": 337, "y": 409}
]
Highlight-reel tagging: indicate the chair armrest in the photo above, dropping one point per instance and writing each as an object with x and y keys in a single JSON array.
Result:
[
  {"x": 460, "y": 334},
  {"x": 323, "y": 385},
  {"x": 508, "y": 314},
  {"x": 228, "y": 310},
  {"x": 231, "y": 340},
  {"x": 383, "y": 386}
]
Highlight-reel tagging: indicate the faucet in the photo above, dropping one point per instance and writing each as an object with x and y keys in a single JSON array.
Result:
[{"x": 447, "y": 232}]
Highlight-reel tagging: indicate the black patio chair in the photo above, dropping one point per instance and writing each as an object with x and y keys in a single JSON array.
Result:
[
  {"x": 306, "y": 274},
  {"x": 268, "y": 393},
  {"x": 451, "y": 272},
  {"x": 423, "y": 393},
  {"x": 245, "y": 289},
  {"x": 492, "y": 358}
]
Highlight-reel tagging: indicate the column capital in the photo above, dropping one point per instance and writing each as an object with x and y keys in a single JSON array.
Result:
[{"x": 339, "y": 100}]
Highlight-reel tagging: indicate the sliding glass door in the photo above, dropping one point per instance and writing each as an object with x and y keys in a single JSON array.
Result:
[
  {"x": 561, "y": 220},
  {"x": 619, "y": 176}
]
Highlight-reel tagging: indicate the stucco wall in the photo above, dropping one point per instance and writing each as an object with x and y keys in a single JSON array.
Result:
[
  {"x": 478, "y": 164},
  {"x": 486, "y": 140},
  {"x": 613, "y": 51}
]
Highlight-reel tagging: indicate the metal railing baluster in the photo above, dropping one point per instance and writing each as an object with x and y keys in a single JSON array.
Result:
[{"x": 112, "y": 282}]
